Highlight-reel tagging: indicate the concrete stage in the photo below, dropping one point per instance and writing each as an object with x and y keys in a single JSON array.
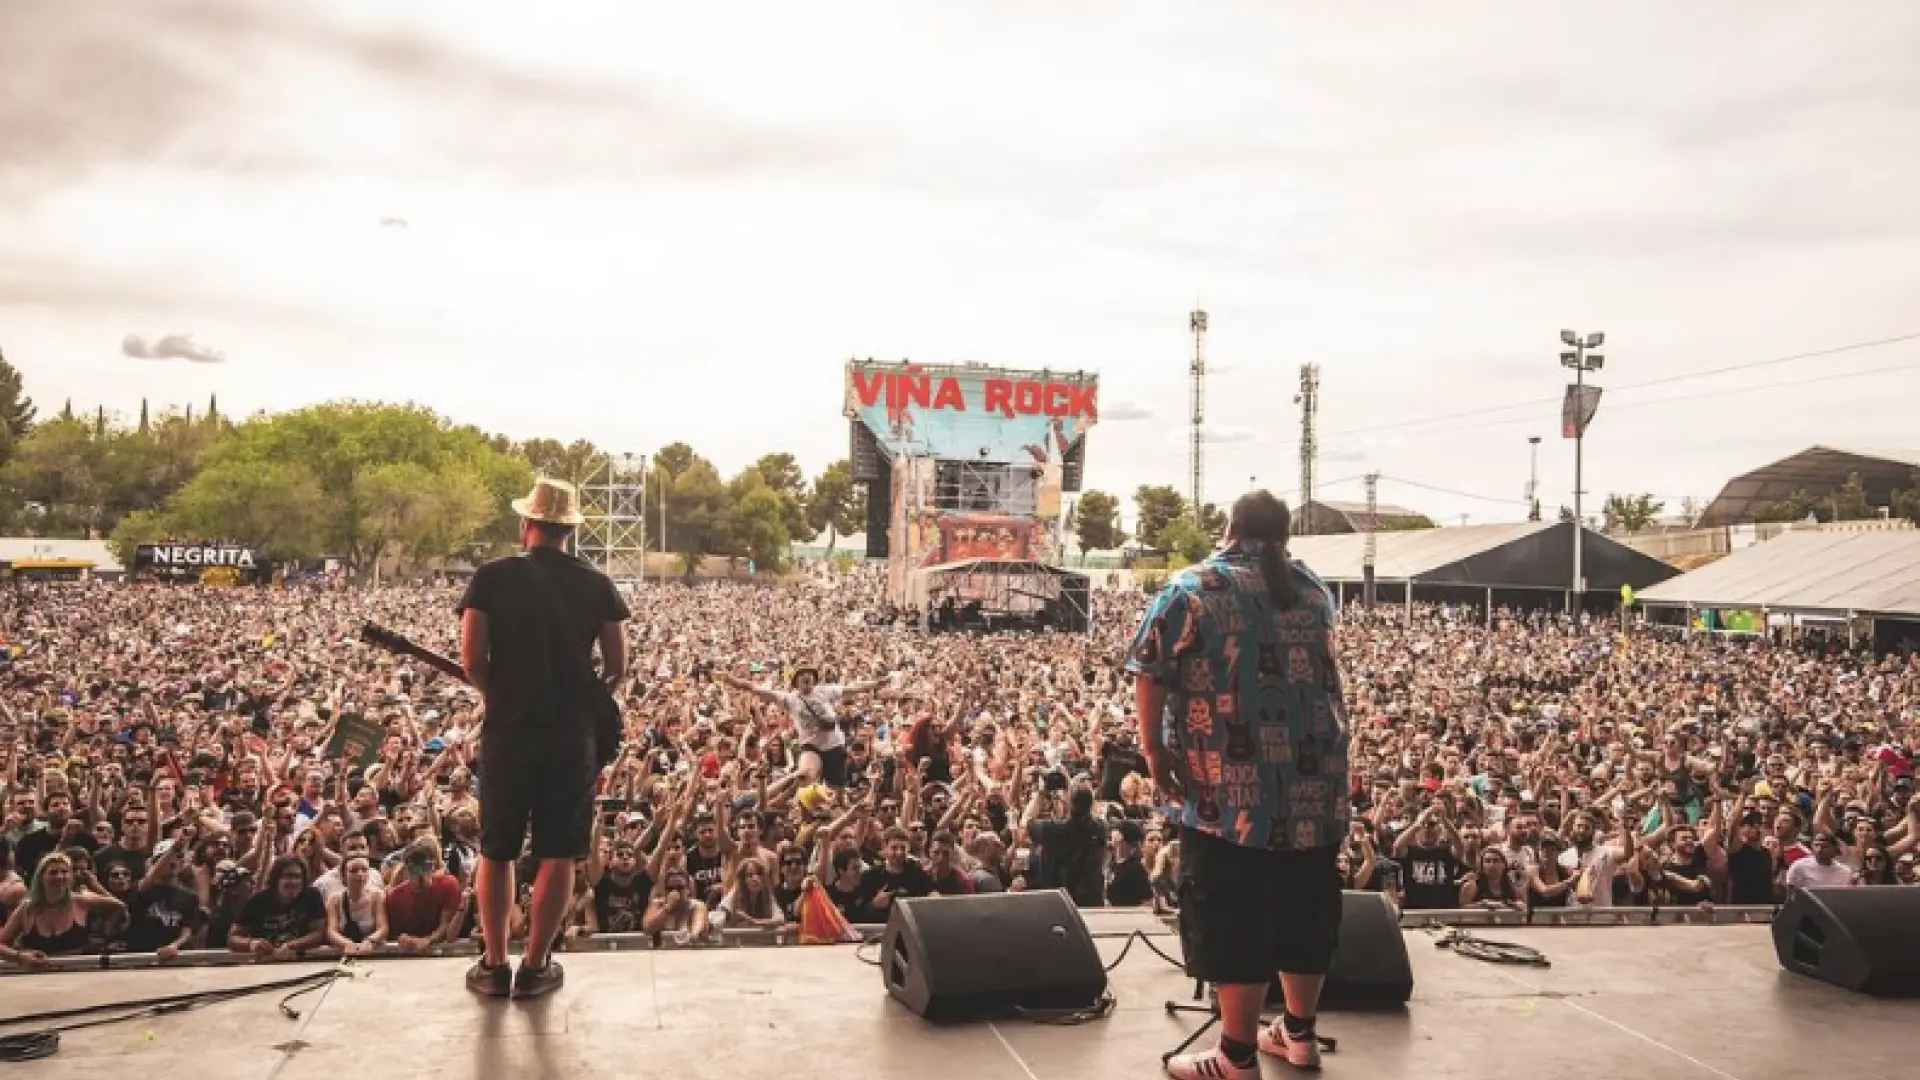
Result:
[{"x": 1686, "y": 1002}]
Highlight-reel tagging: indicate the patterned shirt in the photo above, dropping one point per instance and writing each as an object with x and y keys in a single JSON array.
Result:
[{"x": 1255, "y": 716}]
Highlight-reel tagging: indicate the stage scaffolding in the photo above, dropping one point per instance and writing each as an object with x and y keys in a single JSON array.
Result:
[
  {"x": 1009, "y": 594},
  {"x": 614, "y": 501},
  {"x": 987, "y": 488}
]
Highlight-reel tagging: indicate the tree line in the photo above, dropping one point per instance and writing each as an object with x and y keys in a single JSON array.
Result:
[{"x": 397, "y": 487}]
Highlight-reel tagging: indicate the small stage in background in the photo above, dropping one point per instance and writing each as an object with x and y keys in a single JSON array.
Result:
[{"x": 1619, "y": 1003}]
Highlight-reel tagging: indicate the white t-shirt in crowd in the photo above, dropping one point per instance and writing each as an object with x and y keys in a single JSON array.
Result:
[
  {"x": 1809, "y": 874},
  {"x": 814, "y": 717}
]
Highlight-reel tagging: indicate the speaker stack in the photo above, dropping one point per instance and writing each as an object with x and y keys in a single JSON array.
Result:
[{"x": 1864, "y": 939}]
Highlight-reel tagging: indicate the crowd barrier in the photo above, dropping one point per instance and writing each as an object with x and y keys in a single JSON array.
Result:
[{"x": 758, "y": 938}]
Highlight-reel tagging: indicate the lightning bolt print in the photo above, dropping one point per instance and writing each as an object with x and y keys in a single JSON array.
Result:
[
  {"x": 1230, "y": 649},
  {"x": 1243, "y": 826}
]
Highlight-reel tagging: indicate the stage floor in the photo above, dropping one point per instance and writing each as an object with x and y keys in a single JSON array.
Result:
[{"x": 1619, "y": 1003}]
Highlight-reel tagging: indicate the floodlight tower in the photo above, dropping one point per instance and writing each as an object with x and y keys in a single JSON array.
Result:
[
  {"x": 1581, "y": 361},
  {"x": 1196, "y": 451}
]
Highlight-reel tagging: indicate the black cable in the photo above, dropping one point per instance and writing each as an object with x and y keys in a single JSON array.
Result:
[
  {"x": 1140, "y": 936},
  {"x": 1492, "y": 952},
  {"x": 45, "y": 1042}
]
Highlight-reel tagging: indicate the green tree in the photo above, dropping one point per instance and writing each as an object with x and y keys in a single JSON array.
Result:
[
  {"x": 784, "y": 476},
  {"x": 139, "y": 527},
  {"x": 675, "y": 458},
  {"x": 1631, "y": 513},
  {"x": 339, "y": 443},
  {"x": 1213, "y": 521},
  {"x": 276, "y": 505},
  {"x": 1096, "y": 521},
  {"x": 696, "y": 509},
  {"x": 1566, "y": 515},
  {"x": 1849, "y": 501},
  {"x": 1798, "y": 505},
  {"x": 1409, "y": 523},
  {"x": 1906, "y": 501},
  {"x": 1185, "y": 538},
  {"x": 16, "y": 409},
  {"x": 833, "y": 506},
  {"x": 1156, "y": 505},
  {"x": 576, "y": 462},
  {"x": 756, "y": 520},
  {"x": 57, "y": 468}
]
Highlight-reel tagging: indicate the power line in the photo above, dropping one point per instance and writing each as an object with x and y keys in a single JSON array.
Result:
[
  {"x": 1453, "y": 492},
  {"x": 1722, "y": 370},
  {"x": 1701, "y": 396}
]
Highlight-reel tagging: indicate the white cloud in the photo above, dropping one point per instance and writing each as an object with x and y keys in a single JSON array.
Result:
[
  {"x": 1123, "y": 411},
  {"x": 171, "y": 347}
]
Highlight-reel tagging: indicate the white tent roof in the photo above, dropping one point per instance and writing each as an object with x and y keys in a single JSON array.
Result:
[{"x": 1871, "y": 572}]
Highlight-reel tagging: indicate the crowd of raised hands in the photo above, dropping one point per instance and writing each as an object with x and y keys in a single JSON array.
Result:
[{"x": 169, "y": 783}]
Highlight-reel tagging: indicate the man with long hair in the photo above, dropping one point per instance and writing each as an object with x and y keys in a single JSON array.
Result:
[
  {"x": 1242, "y": 722},
  {"x": 528, "y": 627}
]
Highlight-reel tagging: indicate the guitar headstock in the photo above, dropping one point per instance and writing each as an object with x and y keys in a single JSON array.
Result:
[{"x": 375, "y": 634}]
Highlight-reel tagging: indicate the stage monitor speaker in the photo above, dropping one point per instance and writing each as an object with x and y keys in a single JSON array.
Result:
[
  {"x": 1371, "y": 968},
  {"x": 953, "y": 958},
  {"x": 1865, "y": 939}
]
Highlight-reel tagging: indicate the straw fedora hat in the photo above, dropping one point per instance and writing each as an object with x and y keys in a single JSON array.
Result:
[{"x": 555, "y": 502}]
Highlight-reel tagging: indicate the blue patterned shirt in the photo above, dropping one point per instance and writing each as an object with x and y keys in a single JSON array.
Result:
[{"x": 1255, "y": 716}]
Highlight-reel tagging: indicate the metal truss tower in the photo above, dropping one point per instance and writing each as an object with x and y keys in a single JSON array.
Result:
[
  {"x": 614, "y": 501},
  {"x": 1309, "y": 401},
  {"x": 1196, "y": 450}
]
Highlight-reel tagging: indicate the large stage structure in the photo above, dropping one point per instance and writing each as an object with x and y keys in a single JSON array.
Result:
[{"x": 965, "y": 463}]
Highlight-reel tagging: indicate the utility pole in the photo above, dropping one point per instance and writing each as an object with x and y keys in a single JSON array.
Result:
[
  {"x": 1196, "y": 451},
  {"x": 1373, "y": 529},
  {"x": 1309, "y": 401},
  {"x": 1575, "y": 416}
]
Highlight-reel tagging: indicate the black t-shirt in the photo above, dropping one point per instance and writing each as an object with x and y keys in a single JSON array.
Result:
[
  {"x": 912, "y": 880},
  {"x": 157, "y": 915},
  {"x": 267, "y": 916},
  {"x": 850, "y": 903},
  {"x": 708, "y": 872},
  {"x": 617, "y": 907},
  {"x": 1130, "y": 886},
  {"x": 31, "y": 848},
  {"x": 1116, "y": 762},
  {"x": 1750, "y": 876},
  {"x": 1432, "y": 877},
  {"x": 114, "y": 853},
  {"x": 532, "y": 680},
  {"x": 1072, "y": 857}
]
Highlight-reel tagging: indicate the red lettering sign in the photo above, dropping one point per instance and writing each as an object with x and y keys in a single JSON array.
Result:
[{"x": 1008, "y": 397}]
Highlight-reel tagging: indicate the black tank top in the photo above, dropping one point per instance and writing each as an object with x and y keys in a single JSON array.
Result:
[{"x": 65, "y": 943}]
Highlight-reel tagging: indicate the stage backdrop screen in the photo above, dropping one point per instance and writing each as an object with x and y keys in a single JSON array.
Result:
[{"x": 973, "y": 413}]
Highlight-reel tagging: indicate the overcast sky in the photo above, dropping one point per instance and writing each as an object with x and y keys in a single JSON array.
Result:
[{"x": 637, "y": 223}]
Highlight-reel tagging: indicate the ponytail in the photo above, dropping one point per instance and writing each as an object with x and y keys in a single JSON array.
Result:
[
  {"x": 1279, "y": 577},
  {"x": 1259, "y": 517}
]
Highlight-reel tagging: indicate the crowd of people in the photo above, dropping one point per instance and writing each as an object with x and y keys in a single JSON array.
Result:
[{"x": 175, "y": 774}]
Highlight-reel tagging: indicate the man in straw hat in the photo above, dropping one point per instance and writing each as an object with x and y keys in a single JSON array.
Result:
[{"x": 528, "y": 627}]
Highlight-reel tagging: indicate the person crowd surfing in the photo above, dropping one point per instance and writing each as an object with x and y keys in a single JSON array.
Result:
[{"x": 173, "y": 744}]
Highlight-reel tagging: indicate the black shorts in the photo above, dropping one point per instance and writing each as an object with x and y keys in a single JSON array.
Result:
[
  {"x": 1247, "y": 914},
  {"x": 540, "y": 779},
  {"x": 833, "y": 764}
]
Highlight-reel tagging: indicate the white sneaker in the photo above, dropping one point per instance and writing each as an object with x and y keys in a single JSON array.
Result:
[
  {"x": 1210, "y": 1065},
  {"x": 1302, "y": 1053}
]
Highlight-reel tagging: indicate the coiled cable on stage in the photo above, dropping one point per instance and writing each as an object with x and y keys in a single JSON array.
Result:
[{"x": 1492, "y": 952}]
